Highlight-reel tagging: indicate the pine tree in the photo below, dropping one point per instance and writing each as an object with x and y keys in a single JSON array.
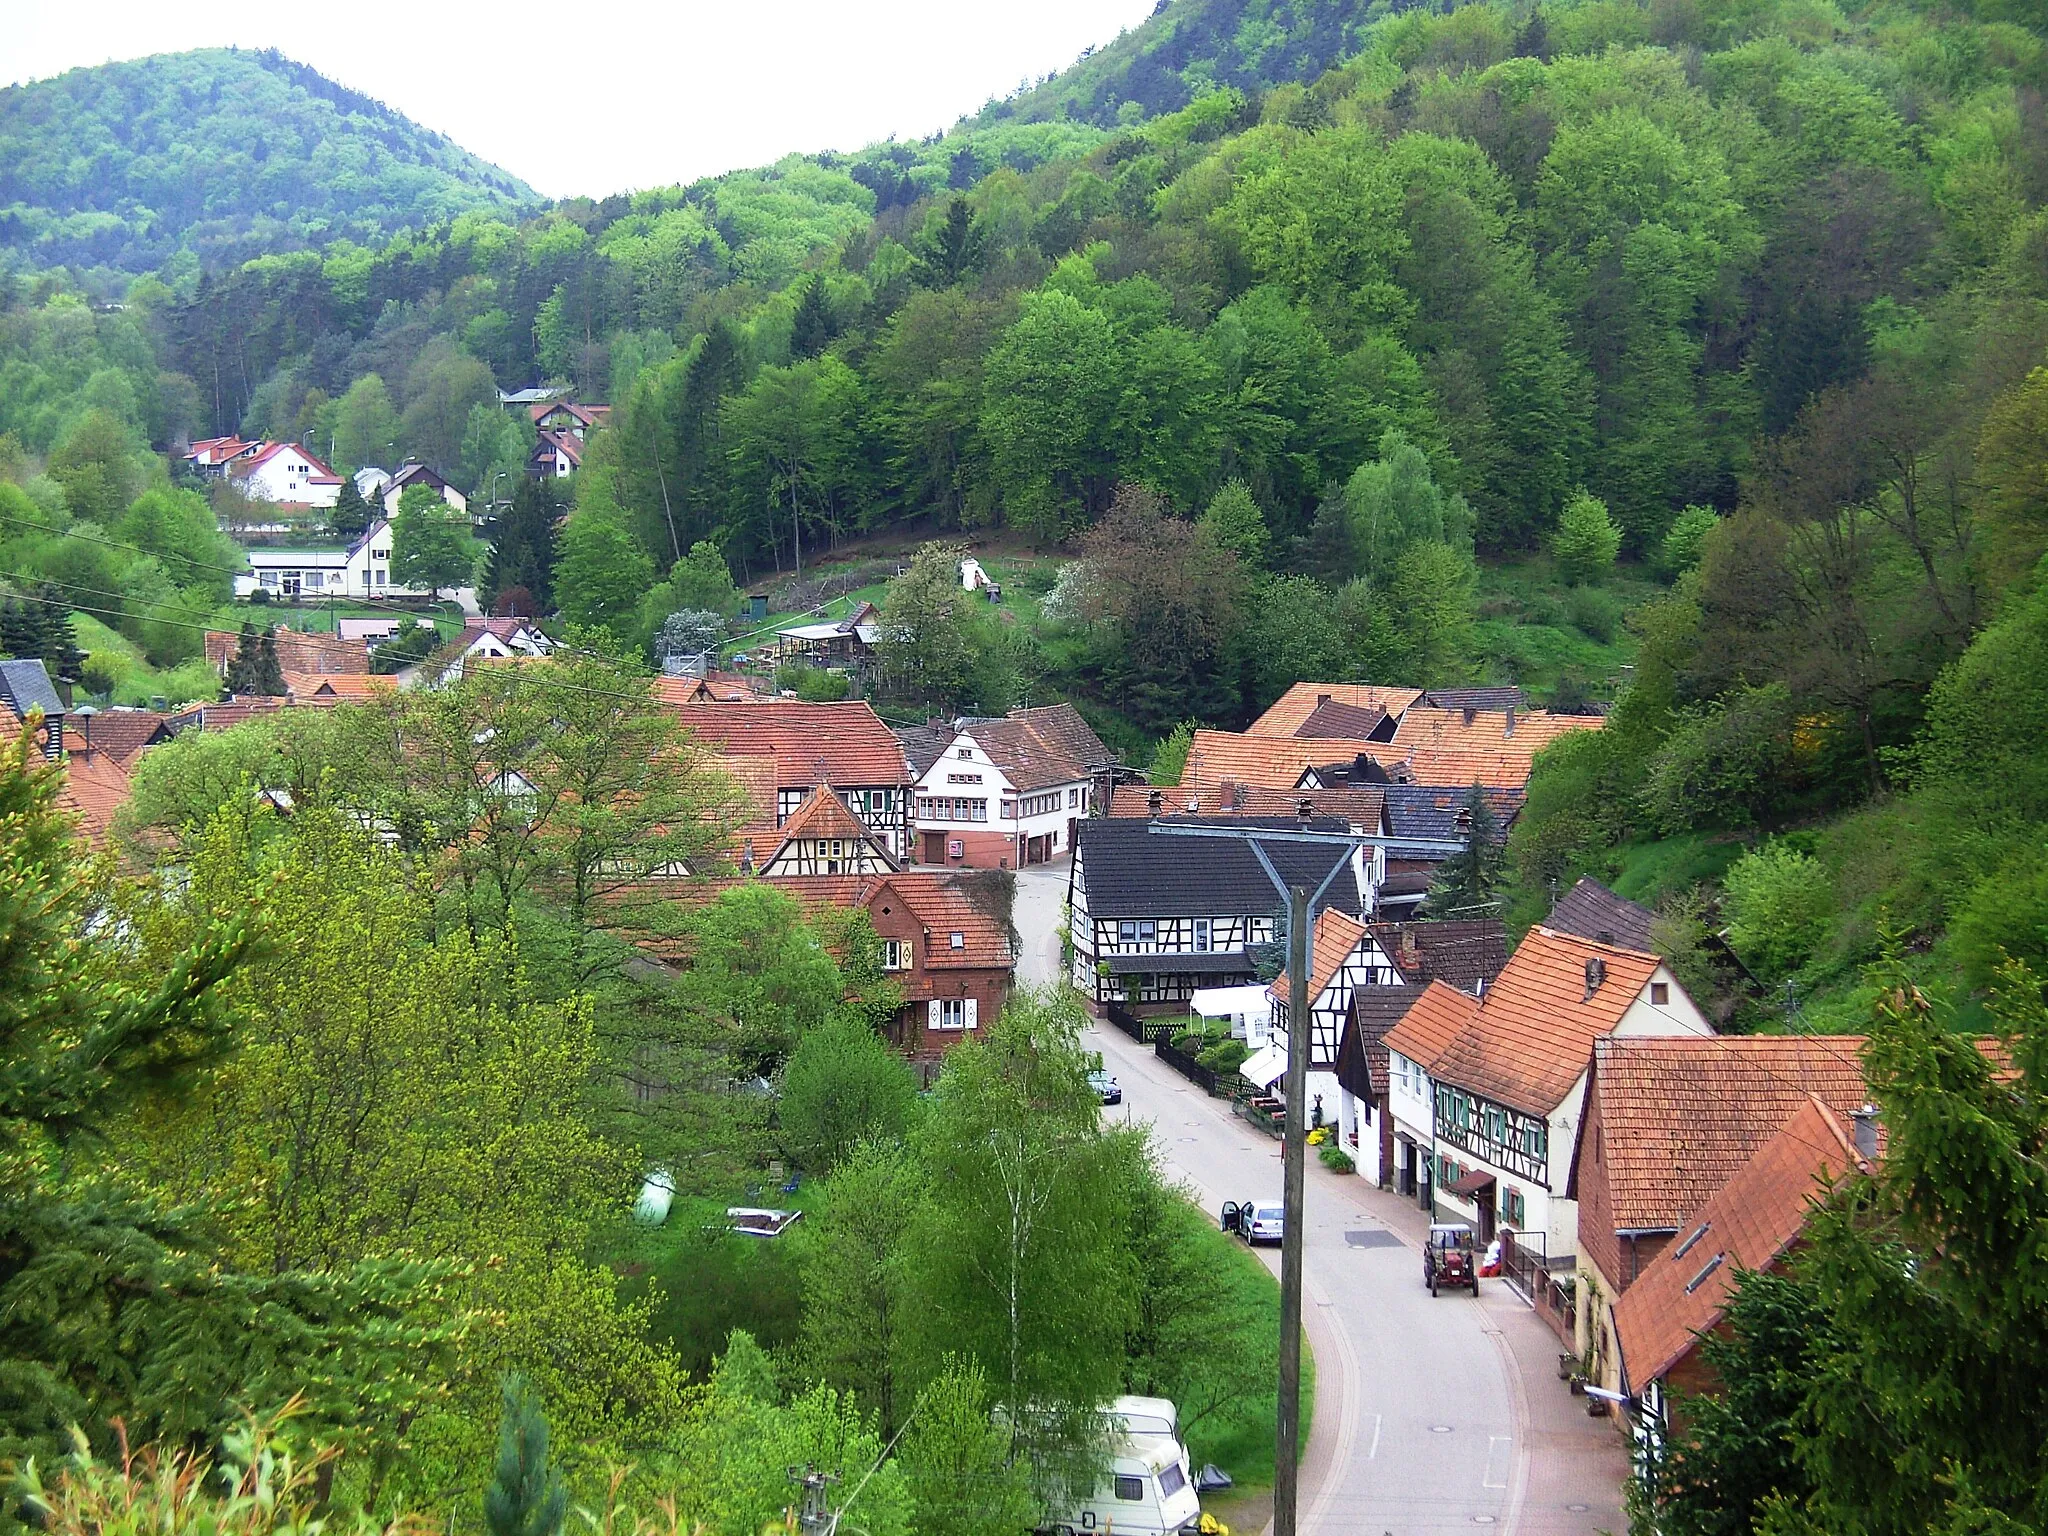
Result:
[
  {"x": 352, "y": 514},
  {"x": 269, "y": 676},
  {"x": 18, "y": 628},
  {"x": 240, "y": 674},
  {"x": 526, "y": 1496},
  {"x": 523, "y": 554},
  {"x": 814, "y": 327},
  {"x": 58, "y": 640},
  {"x": 1469, "y": 878}
]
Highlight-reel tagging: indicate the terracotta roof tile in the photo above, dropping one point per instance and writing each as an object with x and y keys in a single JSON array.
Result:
[
  {"x": 1284, "y": 718},
  {"x": 845, "y": 743},
  {"x": 1433, "y": 1021},
  {"x": 1533, "y": 1035},
  {"x": 1465, "y": 747},
  {"x": 1746, "y": 1225},
  {"x": 121, "y": 733},
  {"x": 1336, "y": 937},
  {"x": 336, "y": 687},
  {"x": 1062, "y": 725},
  {"x": 1680, "y": 1116},
  {"x": 1362, "y": 805},
  {"x": 1029, "y": 759},
  {"x": 757, "y": 778},
  {"x": 1216, "y": 758}
]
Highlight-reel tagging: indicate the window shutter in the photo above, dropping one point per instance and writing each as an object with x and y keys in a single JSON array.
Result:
[
  {"x": 933, "y": 1018},
  {"x": 971, "y": 1006}
]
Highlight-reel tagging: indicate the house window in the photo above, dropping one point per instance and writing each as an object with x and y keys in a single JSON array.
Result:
[
  {"x": 956, "y": 941},
  {"x": 1009, "y": 810},
  {"x": 1201, "y": 936},
  {"x": 1073, "y": 798},
  {"x": 1660, "y": 993},
  {"x": 980, "y": 810},
  {"x": 1127, "y": 933},
  {"x": 895, "y": 955},
  {"x": 963, "y": 778},
  {"x": 1514, "y": 1210},
  {"x": 966, "y": 752},
  {"x": 953, "y": 1013}
]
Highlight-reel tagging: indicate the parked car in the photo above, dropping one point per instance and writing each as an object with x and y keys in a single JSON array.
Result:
[
  {"x": 1106, "y": 1087},
  {"x": 1255, "y": 1223},
  {"x": 1448, "y": 1259}
]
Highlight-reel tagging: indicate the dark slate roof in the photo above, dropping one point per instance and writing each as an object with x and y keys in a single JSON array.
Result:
[
  {"x": 1361, "y": 1053},
  {"x": 1424, "y": 810},
  {"x": 1130, "y": 871},
  {"x": 26, "y": 686},
  {"x": 1463, "y": 953},
  {"x": 924, "y": 745},
  {"x": 1346, "y": 722},
  {"x": 1492, "y": 700},
  {"x": 1592, "y": 911}
]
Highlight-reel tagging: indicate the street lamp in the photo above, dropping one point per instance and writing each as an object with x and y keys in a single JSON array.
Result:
[{"x": 1301, "y": 906}]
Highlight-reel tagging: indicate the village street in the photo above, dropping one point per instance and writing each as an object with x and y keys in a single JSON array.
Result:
[{"x": 1431, "y": 1414}]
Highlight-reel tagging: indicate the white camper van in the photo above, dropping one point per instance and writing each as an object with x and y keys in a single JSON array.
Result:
[{"x": 1144, "y": 1492}]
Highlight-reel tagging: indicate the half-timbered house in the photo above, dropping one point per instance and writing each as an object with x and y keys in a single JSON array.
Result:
[
  {"x": 1502, "y": 1081},
  {"x": 1344, "y": 959},
  {"x": 822, "y": 837},
  {"x": 1156, "y": 917}
]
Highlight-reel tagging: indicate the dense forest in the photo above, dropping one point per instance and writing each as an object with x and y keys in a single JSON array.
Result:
[{"x": 215, "y": 156}]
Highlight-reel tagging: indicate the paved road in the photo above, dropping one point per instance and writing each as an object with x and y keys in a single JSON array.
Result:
[{"x": 1432, "y": 1414}]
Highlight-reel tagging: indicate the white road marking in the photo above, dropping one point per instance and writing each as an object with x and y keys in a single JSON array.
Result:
[{"x": 1499, "y": 1449}]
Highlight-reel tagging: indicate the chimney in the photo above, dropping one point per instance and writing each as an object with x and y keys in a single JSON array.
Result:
[
  {"x": 1410, "y": 950},
  {"x": 1865, "y": 1134},
  {"x": 1471, "y": 713},
  {"x": 1322, "y": 699},
  {"x": 1228, "y": 795},
  {"x": 1305, "y": 812},
  {"x": 1511, "y": 720},
  {"x": 1596, "y": 973},
  {"x": 1154, "y": 803}
]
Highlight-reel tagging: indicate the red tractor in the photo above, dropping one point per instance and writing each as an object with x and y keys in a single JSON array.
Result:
[{"x": 1448, "y": 1258}]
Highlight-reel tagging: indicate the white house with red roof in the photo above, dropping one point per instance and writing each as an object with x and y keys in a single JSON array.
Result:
[
  {"x": 1009, "y": 792},
  {"x": 285, "y": 473},
  {"x": 211, "y": 456},
  {"x": 363, "y": 569}
]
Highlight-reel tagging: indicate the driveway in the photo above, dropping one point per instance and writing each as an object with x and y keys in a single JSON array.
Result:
[{"x": 1432, "y": 1414}]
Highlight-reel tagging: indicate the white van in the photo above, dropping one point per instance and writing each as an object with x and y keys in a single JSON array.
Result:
[{"x": 1144, "y": 1491}]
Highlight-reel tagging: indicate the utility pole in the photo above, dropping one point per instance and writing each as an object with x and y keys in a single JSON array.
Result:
[
  {"x": 814, "y": 1515},
  {"x": 1293, "y": 1154}
]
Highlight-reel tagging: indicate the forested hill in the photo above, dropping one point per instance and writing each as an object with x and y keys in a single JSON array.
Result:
[
  {"x": 223, "y": 153},
  {"x": 1190, "y": 47}
]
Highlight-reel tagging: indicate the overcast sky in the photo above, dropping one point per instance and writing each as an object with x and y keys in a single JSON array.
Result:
[{"x": 618, "y": 94}]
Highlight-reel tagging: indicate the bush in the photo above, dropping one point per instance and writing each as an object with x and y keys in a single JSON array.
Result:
[
  {"x": 1335, "y": 1158},
  {"x": 1586, "y": 540},
  {"x": 1225, "y": 1055},
  {"x": 811, "y": 684},
  {"x": 2004, "y": 917},
  {"x": 1724, "y": 763},
  {"x": 1593, "y": 613},
  {"x": 1779, "y": 902}
]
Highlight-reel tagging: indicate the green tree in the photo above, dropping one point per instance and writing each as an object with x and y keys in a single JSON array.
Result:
[
  {"x": 431, "y": 544},
  {"x": 1019, "y": 1270},
  {"x": 1780, "y": 903},
  {"x": 365, "y": 427},
  {"x": 2012, "y": 455},
  {"x": 603, "y": 573},
  {"x": 1170, "y": 757},
  {"x": 861, "y": 1328},
  {"x": 266, "y": 677},
  {"x": 842, "y": 1086},
  {"x": 755, "y": 962},
  {"x": 957, "y": 1465},
  {"x": 444, "y": 388},
  {"x": 526, "y": 1496},
  {"x": 1430, "y": 607},
  {"x": 924, "y": 649},
  {"x": 95, "y": 466},
  {"x": 1586, "y": 540},
  {"x": 522, "y": 554},
  {"x": 1686, "y": 540},
  {"x": 1049, "y": 387},
  {"x": 1394, "y": 502},
  {"x": 1466, "y": 882},
  {"x": 792, "y": 454},
  {"x": 494, "y": 450},
  {"x": 1235, "y": 523},
  {"x": 352, "y": 515}
]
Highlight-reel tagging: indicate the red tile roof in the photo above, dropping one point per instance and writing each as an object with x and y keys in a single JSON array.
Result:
[
  {"x": 336, "y": 687},
  {"x": 1299, "y": 702},
  {"x": 1362, "y": 805},
  {"x": 93, "y": 789},
  {"x": 1459, "y": 748},
  {"x": 121, "y": 733},
  {"x": 1436, "y": 1018},
  {"x": 297, "y": 651},
  {"x": 1748, "y": 1223},
  {"x": 1681, "y": 1115},
  {"x": 1336, "y": 938},
  {"x": 1533, "y": 1035},
  {"x": 1348, "y": 721},
  {"x": 845, "y": 743},
  {"x": 1216, "y": 758}
]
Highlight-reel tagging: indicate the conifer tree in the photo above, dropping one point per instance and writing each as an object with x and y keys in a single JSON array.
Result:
[
  {"x": 1469, "y": 878},
  {"x": 269, "y": 675},
  {"x": 523, "y": 554},
  {"x": 526, "y": 1496},
  {"x": 59, "y": 641},
  {"x": 352, "y": 514},
  {"x": 240, "y": 674}
]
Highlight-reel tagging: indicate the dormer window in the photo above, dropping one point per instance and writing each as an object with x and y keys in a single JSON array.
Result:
[{"x": 956, "y": 940}]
